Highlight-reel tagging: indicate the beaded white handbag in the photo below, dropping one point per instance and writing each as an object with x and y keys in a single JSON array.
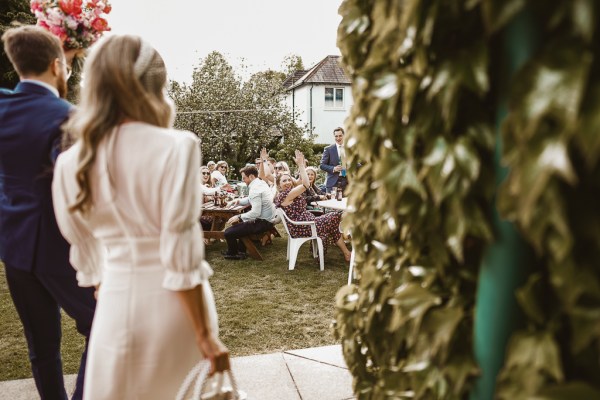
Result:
[{"x": 206, "y": 388}]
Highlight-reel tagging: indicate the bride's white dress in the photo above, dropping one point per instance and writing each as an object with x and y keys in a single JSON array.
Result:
[{"x": 141, "y": 241}]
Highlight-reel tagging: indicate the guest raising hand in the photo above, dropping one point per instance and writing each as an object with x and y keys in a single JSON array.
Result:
[{"x": 290, "y": 200}]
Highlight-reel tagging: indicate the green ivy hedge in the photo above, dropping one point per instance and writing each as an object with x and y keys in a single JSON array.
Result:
[{"x": 427, "y": 78}]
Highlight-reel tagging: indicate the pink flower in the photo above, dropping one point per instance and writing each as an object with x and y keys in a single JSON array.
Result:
[
  {"x": 43, "y": 24},
  {"x": 59, "y": 31},
  {"x": 70, "y": 7},
  {"x": 77, "y": 23},
  {"x": 100, "y": 24},
  {"x": 36, "y": 6}
]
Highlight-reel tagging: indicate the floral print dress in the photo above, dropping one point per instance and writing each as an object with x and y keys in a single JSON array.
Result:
[{"x": 328, "y": 225}]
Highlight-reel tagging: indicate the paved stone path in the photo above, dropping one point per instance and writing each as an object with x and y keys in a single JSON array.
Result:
[{"x": 318, "y": 373}]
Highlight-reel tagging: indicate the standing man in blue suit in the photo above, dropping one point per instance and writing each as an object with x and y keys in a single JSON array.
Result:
[
  {"x": 333, "y": 162},
  {"x": 35, "y": 255}
]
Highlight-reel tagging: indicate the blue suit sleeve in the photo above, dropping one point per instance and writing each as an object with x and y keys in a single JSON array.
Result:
[
  {"x": 325, "y": 162},
  {"x": 55, "y": 150}
]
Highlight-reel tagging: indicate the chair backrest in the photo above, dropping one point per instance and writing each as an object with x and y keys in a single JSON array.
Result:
[
  {"x": 287, "y": 220},
  {"x": 284, "y": 220}
]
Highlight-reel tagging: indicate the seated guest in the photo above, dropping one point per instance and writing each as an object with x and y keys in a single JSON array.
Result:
[
  {"x": 208, "y": 189},
  {"x": 255, "y": 221},
  {"x": 290, "y": 199},
  {"x": 211, "y": 166},
  {"x": 208, "y": 193},
  {"x": 266, "y": 167},
  {"x": 219, "y": 178},
  {"x": 270, "y": 174},
  {"x": 313, "y": 193}
]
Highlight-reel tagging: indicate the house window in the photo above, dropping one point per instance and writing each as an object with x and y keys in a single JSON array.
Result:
[{"x": 334, "y": 97}]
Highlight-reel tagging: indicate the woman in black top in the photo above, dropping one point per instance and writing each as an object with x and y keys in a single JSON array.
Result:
[{"x": 313, "y": 193}]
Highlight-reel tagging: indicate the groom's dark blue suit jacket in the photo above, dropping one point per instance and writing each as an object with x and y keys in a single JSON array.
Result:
[
  {"x": 30, "y": 120},
  {"x": 329, "y": 160}
]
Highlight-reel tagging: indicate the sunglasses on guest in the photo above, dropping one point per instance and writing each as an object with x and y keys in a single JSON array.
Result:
[
  {"x": 206, "y": 173},
  {"x": 279, "y": 167}
]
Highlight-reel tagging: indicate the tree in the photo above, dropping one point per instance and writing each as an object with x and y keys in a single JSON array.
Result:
[
  {"x": 12, "y": 12},
  {"x": 292, "y": 63},
  {"x": 235, "y": 119}
]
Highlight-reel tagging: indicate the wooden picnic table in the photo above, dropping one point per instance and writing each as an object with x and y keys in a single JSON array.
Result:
[{"x": 220, "y": 216}]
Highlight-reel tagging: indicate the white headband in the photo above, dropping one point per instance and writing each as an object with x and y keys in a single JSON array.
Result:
[{"x": 144, "y": 59}]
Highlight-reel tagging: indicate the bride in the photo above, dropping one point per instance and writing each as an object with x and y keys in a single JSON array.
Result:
[{"x": 127, "y": 198}]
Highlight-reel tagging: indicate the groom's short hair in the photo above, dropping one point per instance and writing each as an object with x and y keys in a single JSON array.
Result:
[
  {"x": 249, "y": 170},
  {"x": 31, "y": 49}
]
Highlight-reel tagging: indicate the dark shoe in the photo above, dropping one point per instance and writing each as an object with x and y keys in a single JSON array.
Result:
[
  {"x": 236, "y": 257},
  {"x": 226, "y": 253}
]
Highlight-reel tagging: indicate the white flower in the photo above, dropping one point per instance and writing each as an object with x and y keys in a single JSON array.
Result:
[
  {"x": 55, "y": 17},
  {"x": 71, "y": 22}
]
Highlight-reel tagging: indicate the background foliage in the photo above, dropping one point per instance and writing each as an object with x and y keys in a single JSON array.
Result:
[
  {"x": 427, "y": 78},
  {"x": 11, "y": 12},
  {"x": 17, "y": 12},
  {"x": 236, "y": 118}
]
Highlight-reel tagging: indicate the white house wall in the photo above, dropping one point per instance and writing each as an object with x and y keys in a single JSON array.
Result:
[
  {"x": 324, "y": 121},
  {"x": 300, "y": 103}
]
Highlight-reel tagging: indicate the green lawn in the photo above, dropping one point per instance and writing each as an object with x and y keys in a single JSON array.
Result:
[{"x": 262, "y": 307}]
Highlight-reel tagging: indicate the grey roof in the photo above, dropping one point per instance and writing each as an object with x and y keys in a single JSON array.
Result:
[
  {"x": 327, "y": 70},
  {"x": 293, "y": 78}
]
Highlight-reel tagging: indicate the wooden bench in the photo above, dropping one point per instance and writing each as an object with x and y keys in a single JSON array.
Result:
[{"x": 265, "y": 237}]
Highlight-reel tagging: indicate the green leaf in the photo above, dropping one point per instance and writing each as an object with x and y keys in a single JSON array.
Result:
[
  {"x": 538, "y": 351},
  {"x": 497, "y": 13},
  {"x": 583, "y": 18},
  {"x": 587, "y": 136},
  {"x": 459, "y": 369},
  {"x": 568, "y": 391},
  {"x": 467, "y": 158},
  {"x": 414, "y": 302},
  {"x": 528, "y": 297},
  {"x": 585, "y": 327},
  {"x": 551, "y": 87},
  {"x": 440, "y": 324},
  {"x": 438, "y": 152}
]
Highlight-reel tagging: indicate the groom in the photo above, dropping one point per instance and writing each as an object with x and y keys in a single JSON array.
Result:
[
  {"x": 36, "y": 257},
  {"x": 333, "y": 162}
]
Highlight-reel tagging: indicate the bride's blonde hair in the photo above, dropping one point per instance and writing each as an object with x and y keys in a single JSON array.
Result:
[{"x": 124, "y": 78}]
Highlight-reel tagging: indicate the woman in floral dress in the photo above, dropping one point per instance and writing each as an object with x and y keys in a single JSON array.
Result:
[{"x": 290, "y": 200}]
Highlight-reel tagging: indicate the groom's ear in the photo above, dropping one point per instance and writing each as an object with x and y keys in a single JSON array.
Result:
[{"x": 55, "y": 67}]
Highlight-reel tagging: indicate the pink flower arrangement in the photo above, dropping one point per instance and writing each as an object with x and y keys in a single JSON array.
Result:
[{"x": 78, "y": 23}]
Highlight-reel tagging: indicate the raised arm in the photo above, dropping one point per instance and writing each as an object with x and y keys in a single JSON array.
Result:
[
  {"x": 299, "y": 189},
  {"x": 302, "y": 169},
  {"x": 265, "y": 171}
]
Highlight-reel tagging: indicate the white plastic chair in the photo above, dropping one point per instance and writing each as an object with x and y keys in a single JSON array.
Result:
[{"x": 294, "y": 244}]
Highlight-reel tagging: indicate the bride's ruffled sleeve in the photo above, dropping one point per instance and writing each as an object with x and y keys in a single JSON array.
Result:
[
  {"x": 181, "y": 244},
  {"x": 86, "y": 253}
]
